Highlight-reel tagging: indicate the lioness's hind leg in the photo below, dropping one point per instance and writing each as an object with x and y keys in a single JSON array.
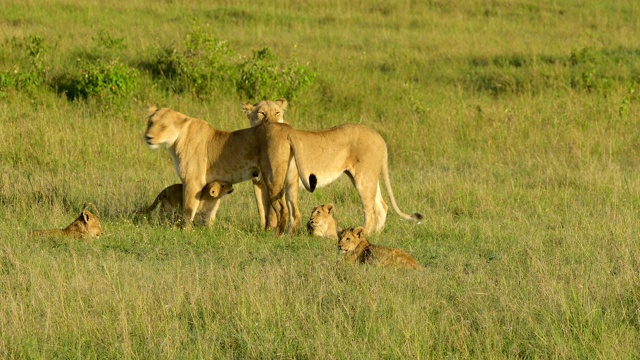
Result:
[
  {"x": 381, "y": 210},
  {"x": 291, "y": 195},
  {"x": 368, "y": 199}
]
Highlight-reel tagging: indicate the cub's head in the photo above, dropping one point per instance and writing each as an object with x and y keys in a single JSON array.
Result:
[
  {"x": 265, "y": 111},
  {"x": 321, "y": 219},
  {"x": 164, "y": 126},
  {"x": 91, "y": 223},
  {"x": 218, "y": 188},
  {"x": 350, "y": 238}
]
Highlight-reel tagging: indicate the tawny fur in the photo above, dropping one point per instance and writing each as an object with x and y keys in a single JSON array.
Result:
[
  {"x": 352, "y": 149},
  {"x": 357, "y": 250},
  {"x": 171, "y": 198},
  {"x": 323, "y": 222},
  {"x": 86, "y": 225},
  {"x": 202, "y": 154},
  {"x": 267, "y": 111}
]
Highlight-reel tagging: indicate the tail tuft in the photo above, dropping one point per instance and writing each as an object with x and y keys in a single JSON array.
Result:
[
  {"x": 313, "y": 182},
  {"x": 417, "y": 216}
]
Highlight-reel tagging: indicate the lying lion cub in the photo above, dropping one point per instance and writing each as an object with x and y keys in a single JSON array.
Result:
[
  {"x": 85, "y": 226},
  {"x": 171, "y": 198},
  {"x": 322, "y": 222},
  {"x": 358, "y": 250}
]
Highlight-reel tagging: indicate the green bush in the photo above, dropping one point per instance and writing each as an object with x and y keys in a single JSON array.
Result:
[
  {"x": 101, "y": 74},
  {"x": 107, "y": 80},
  {"x": 263, "y": 77},
  {"x": 206, "y": 65},
  {"x": 203, "y": 64},
  {"x": 28, "y": 65}
]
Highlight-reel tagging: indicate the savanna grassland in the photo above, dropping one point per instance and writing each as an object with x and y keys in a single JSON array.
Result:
[{"x": 513, "y": 126}]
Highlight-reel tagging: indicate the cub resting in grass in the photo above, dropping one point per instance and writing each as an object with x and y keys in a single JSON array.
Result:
[
  {"x": 358, "y": 250},
  {"x": 322, "y": 222},
  {"x": 170, "y": 199},
  {"x": 86, "y": 225}
]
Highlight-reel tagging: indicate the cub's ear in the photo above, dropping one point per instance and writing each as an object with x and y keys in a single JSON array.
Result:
[
  {"x": 151, "y": 109},
  {"x": 359, "y": 232},
  {"x": 248, "y": 108},
  {"x": 85, "y": 216},
  {"x": 282, "y": 103},
  {"x": 329, "y": 208},
  {"x": 214, "y": 189}
]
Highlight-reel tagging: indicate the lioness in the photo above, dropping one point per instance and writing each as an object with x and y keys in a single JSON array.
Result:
[
  {"x": 353, "y": 149},
  {"x": 322, "y": 222},
  {"x": 85, "y": 226},
  {"x": 202, "y": 154},
  {"x": 358, "y": 250},
  {"x": 171, "y": 198},
  {"x": 273, "y": 111}
]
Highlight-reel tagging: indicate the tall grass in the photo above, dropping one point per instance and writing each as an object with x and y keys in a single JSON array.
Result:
[{"x": 512, "y": 126}]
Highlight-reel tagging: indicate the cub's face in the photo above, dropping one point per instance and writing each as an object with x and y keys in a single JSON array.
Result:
[
  {"x": 350, "y": 238},
  {"x": 92, "y": 224},
  {"x": 265, "y": 111},
  {"x": 218, "y": 188},
  {"x": 163, "y": 127},
  {"x": 321, "y": 217}
]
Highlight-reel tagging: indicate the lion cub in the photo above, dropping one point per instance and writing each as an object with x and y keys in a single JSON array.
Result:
[
  {"x": 358, "y": 250},
  {"x": 86, "y": 225},
  {"x": 171, "y": 198},
  {"x": 322, "y": 222}
]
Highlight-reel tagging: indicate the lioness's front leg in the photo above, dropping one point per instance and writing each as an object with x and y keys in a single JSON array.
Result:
[{"x": 191, "y": 196}]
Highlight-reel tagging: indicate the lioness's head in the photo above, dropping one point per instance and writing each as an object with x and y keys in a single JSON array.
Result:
[
  {"x": 321, "y": 217},
  {"x": 350, "y": 238},
  {"x": 164, "y": 126},
  {"x": 265, "y": 111},
  {"x": 218, "y": 188},
  {"x": 91, "y": 223}
]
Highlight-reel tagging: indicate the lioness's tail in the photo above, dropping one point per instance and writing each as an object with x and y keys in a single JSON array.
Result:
[
  {"x": 308, "y": 180},
  {"x": 387, "y": 182}
]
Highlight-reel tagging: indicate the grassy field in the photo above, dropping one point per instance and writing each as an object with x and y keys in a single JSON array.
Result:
[{"x": 513, "y": 126}]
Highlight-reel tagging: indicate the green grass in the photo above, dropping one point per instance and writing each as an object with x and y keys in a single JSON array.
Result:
[{"x": 512, "y": 126}]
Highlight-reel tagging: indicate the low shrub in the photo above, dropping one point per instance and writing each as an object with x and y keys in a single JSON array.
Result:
[
  {"x": 263, "y": 77},
  {"x": 27, "y": 59}
]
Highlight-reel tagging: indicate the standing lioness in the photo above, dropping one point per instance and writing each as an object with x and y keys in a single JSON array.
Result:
[
  {"x": 266, "y": 111},
  {"x": 202, "y": 154},
  {"x": 352, "y": 149}
]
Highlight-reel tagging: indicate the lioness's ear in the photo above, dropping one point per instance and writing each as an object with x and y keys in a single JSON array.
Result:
[
  {"x": 359, "y": 232},
  {"x": 151, "y": 109},
  {"x": 282, "y": 103},
  {"x": 248, "y": 108},
  {"x": 329, "y": 208},
  {"x": 214, "y": 189}
]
